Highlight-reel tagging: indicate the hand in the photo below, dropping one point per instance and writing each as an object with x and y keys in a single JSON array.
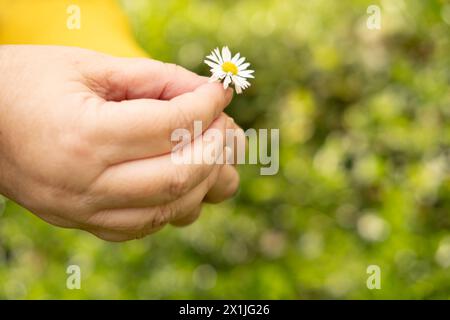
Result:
[{"x": 85, "y": 140}]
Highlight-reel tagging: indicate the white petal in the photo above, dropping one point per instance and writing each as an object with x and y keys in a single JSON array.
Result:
[
  {"x": 246, "y": 74},
  {"x": 226, "y": 82},
  {"x": 246, "y": 84},
  {"x": 226, "y": 54},
  {"x": 236, "y": 80},
  {"x": 240, "y": 61},
  {"x": 217, "y": 52},
  {"x": 214, "y": 78},
  {"x": 238, "y": 89},
  {"x": 241, "y": 81},
  {"x": 218, "y": 70},
  {"x": 243, "y": 66},
  {"x": 222, "y": 74},
  {"x": 249, "y": 71},
  {"x": 213, "y": 57},
  {"x": 236, "y": 58},
  {"x": 211, "y": 64},
  {"x": 218, "y": 56}
]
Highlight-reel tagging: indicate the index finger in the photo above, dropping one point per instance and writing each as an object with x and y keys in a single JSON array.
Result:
[{"x": 140, "y": 128}]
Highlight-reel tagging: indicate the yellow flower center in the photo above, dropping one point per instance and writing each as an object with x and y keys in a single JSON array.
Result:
[{"x": 230, "y": 67}]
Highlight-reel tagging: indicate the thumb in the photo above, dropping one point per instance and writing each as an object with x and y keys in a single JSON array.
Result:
[{"x": 118, "y": 79}]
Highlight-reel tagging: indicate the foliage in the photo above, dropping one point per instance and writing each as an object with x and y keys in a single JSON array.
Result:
[{"x": 364, "y": 118}]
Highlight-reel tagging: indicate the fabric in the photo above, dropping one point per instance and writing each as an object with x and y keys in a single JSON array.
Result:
[{"x": 102, "y": 25}]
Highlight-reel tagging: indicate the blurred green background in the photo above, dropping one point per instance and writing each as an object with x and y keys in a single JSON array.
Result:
[{"x": 364, "y": 119}]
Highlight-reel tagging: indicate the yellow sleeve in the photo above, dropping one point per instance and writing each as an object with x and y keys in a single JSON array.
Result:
[{"x": 93, "y": 24}]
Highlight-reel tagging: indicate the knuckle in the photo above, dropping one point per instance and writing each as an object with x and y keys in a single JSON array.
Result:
[
  {"x": 178, "y": 184},
  {"x": 181, "y": 118},
  {"x": 99, "y": 220},
  {"x": 76, "y": 144},
  {"x": 172, "y": 69},
  {"x": 163, "y": 216},
  {"x": 128, "y": 228},
  {"x": 141, "y": 230},
  {"x": 158, "y": 219}
]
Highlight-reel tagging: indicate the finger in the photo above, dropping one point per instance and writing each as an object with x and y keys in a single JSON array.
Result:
[
  {"x": 133, "y": 223},
  {"x": 190, "y": 218},
  {"x": 181, "y": 208},
  {"x": 237, "y": 142},
  {"x": 226, "y": 186},
  {"x": 59, "y": 221},
  {"x": 117, "y": 236},
  {"x": 111, "y": 236},
  {"x": 126, "y": 224},
  {"x": 117, "y": 79},
  {"x": 228, "y": 181},
  {"x": 149, "y": 182},
  {"x": 141, "y": 128}
]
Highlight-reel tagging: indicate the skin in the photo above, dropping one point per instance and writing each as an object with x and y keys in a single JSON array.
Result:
[{"x": 85, "y": 140}]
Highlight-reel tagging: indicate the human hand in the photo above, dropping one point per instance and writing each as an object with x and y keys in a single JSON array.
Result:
[{"x": 85, "y": 140}]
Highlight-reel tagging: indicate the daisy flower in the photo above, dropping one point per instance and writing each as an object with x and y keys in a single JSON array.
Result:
[{"x": 230, "y": 70}]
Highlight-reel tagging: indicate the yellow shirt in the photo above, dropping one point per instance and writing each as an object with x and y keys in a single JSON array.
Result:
[{"x": 93, "y": 24}]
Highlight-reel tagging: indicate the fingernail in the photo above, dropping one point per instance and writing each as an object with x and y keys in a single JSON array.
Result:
[
  {"x": 229, "y": 93},
  {"x": 230, "y": 122}
]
